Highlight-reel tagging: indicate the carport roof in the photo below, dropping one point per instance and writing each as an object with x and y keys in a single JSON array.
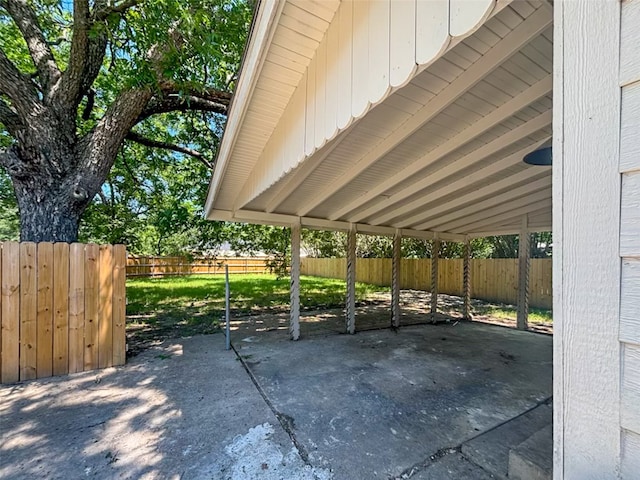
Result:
[{"x": 441, "y": 153}]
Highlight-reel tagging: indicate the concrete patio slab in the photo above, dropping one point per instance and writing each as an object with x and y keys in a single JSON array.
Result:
[
  {"x": 380, "y": 404},
  {"x": 184, "y": 410},
  {"x": 375, "y": 404}
]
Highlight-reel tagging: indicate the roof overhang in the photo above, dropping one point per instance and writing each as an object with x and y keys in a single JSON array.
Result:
[{"x": 434, "y": 146}]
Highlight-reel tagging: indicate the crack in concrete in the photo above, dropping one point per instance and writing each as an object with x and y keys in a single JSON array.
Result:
[
  {"x": 420, "y": 466},
  {"x": 286, "y": 421}
]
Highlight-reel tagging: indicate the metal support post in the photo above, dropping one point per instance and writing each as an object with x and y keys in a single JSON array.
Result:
[
  {"x": 294, "y": 320},
  {"x": 351, "y": 281},
  {"x": 435, "y": 255},
  {"x": 524, "y": 246},
  {"x": 395, "y": 279}
]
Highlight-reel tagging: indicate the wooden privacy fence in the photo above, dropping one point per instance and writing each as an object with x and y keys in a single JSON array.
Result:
[
  {"x": 150, "y": 266},
  {"x": 493, "y": 280},
  {"x": 62, "y": 308}
]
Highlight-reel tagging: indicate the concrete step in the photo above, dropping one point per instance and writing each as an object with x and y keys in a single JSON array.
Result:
[
  {"x": 533, "y": 458},
  {"x": 491, "y": 449}
]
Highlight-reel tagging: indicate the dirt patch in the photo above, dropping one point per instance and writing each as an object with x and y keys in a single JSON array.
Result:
[{"x": 146, "y": 330}]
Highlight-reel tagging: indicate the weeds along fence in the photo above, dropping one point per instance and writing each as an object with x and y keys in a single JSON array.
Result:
[
  {"x": 62, "y": 308},
  {"x": 493, "y": 280},
  {"x": 150, "y": 266}
]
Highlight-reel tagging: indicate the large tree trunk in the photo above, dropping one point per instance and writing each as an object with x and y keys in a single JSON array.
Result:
[
  {"x": 56, "y": 175},
  {"x": 49, "y": 211},
  {"x": 50, "y": 221}
]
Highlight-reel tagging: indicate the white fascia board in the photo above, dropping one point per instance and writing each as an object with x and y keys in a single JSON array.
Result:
[
  {"x": 263, "y": 218},
  {"x": 322, "y": 224},
  {"x": 248, "y": 216},
  {"x": 262, "y": 30},
  {"x": 510, "y": 231}
]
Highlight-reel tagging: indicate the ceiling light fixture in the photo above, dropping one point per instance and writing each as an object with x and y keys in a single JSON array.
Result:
[{"x": 542, "y": 157}]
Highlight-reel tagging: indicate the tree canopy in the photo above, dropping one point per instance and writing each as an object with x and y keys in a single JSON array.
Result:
[{"x": 79, "y": 79}]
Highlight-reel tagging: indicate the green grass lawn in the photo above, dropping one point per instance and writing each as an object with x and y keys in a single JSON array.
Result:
[
  {"x": 248, "y": 293},
  {"x": 537, "y": 315},
  {"x": 159, "y": 308}
]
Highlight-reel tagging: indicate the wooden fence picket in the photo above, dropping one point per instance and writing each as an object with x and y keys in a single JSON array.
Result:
[
  {"x": 28, "y": 311},
  {"x": 150, "y": 266},
  {"x": 91, "y": 302},
  {"x": 105, "y": 312},
  {"x": 119, "y": 304},
  {"x": 61, "y": 309},
  {"x": 45, "y": 310},
  {"x": 76, "y": 307},
  {"x": 61, "y": 305},
  {"x": 493, "y": 280},
  {"x": 10, "y": 312}
]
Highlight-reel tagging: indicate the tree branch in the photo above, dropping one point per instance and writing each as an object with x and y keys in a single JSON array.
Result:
[
  {"x": 87, "y": 53},
  {"x": 26, "y": 20},
  {"x": 105, "y": 11},
  {"x": 18, "y": 87},
  {"x": 98, "y": 149},
  {"x": 127, "y": 167},
  {"x": 147, "y": 142},
  {"x": 103, "y": 197},
  {"x": 213, "y": 101}
]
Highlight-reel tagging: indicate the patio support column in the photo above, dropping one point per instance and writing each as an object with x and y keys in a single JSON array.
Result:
[
  {"x": 524, "y": 262},
  {"x": 294, "y": 319},
  {"x": 351, "y": 280},
  {"x": 435, "y": 255},
  {"x": 466, "y": 281},
  {"x": 395, "y": 279}
]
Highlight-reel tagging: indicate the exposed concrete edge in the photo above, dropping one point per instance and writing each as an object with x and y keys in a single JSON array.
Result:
[
  {"x": 443, "y": 452},
  {"x": 546, "y": 401}
]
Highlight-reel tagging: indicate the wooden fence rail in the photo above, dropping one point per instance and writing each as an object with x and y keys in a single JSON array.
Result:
[
  {"x": 62, "y": 308},
  {"x": 150, "y": 266},
  {"x": 493, "y": 280}
]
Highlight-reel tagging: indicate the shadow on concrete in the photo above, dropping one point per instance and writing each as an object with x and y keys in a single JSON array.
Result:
[
  {"x": 375, "y": 314},
  {"x": 379, "y": 404},
  {"x": 186, "y": 409}
]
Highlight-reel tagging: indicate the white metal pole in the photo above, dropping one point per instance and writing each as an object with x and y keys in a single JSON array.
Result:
[
  {"x": 435, "y": 255},
  {"x": 466, "y": 280},
  {"x": 395, "y": 279},
  {"x": 523, "y": 275},
  {"x": 351, "y": 280},
  {"x": 294, "y": 319},
  {"x": 227, "y": 313}
]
